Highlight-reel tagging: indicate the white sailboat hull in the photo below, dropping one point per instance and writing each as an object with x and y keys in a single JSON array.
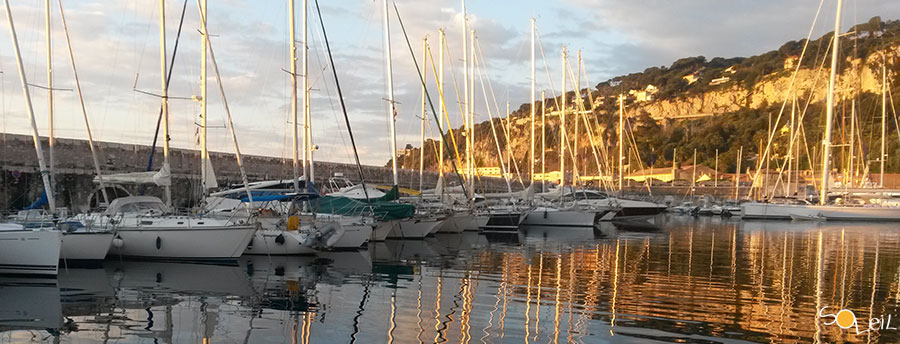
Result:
[
  {"x": 184, "y": 243},
  {"x": 381, "y": 232},
  {"x": 456, "y": 223},
  {"x": 826, "y": 212},
  {"x": 85, "y": 245},
  {"x": 30, "y": 252},
  {"x": 354, "y": 236},
  {"x": 560, "y": 218},
  {"x": 411, "y": 228},
  {"x": 278, "y": 242}
]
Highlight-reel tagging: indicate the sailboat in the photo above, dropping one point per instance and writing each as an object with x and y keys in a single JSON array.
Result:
[
  {"x": 146, "y": 226},
  {"x": 824, "y": 210},
  {"x": 546, "y": 213},
  {"x": 421, "y": 224},
  {"x": 29, "y": 251},
  {"x": 77, "y": 243}
]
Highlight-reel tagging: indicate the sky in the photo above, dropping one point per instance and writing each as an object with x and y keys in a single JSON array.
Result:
[{"x": 116, "y": 45}]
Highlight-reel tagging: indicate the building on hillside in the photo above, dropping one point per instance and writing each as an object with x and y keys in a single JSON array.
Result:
[
  {"x": 719, "y": 81},
  {"x": 791, "y": 61},
  {"x": 665, "y": 174},
  {"x": 692, "y": 78},
  {"x": 548, "y": 176},
  {"x": 644, "y": 95},
  {"x": 729, "y": 70},
  {"x": 490, "y": 172}
]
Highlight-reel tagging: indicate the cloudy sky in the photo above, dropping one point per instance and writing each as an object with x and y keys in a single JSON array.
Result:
[{"x": 116, "y": 47}]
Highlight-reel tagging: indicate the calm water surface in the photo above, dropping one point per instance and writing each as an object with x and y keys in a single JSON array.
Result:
[{"x": 703, "y": 280}]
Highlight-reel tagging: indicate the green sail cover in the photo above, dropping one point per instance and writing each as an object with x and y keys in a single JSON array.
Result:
[
  {"x": 382, "y": 210},
  {"x": 392, "y": 195}
]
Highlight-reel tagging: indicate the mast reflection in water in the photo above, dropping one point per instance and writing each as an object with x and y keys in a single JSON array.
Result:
[{"x": 692, "y": 280}]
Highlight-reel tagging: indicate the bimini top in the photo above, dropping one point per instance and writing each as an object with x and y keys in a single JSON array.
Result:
[{"x": 136, "y": 204}]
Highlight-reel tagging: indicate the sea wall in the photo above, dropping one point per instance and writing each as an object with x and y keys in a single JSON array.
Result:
[{"x": 20, "y": 183}]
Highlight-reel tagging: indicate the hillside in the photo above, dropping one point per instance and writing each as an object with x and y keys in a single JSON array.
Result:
[{"x": 716, "y": 104}]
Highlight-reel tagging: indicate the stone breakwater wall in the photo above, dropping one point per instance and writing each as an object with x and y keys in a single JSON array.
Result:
[{"x": 20, "y": 182}]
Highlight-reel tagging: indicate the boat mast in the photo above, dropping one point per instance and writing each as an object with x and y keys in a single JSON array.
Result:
[
  {"x": 204, "y": 152},
  {"x": 422, "y": 146},
  {"x": 883, "y": 117},
  {"x": 543, "y": 142},
  {"x": 390, "y": 86},
  {"x": 621, "y": 143},
  {"x": 466, "y": 101},
  {"x": 164, "y": 95},
  {"x": 562, "y": 124},
  {"x": 737, "y": 174},
  {"x": 471, "y": 134},
  {"x": 87, "y": 124},
  {"x": 790, "y": 155},
  {"x": 296, "y": 157},
  {"x": 307, "y": 115},
  {"x": 849, "y": 182},
  {"x": 829, "y": 107},
  {"x": 531, "y": 154},
  {"x": 52, "y": 136},
  {"x": 578, "y": 108},
  {"x": 45, "y": 174},
  {"x": 441, "y": 117},
  {"x": 715, "y": 170}
]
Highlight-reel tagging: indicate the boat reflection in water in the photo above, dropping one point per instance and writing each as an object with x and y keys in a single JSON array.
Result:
[{"x": 693, "y": 280}]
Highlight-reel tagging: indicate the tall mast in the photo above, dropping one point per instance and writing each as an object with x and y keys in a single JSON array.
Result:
[
  {"x": 562, "y": 123},
  {"x": 531, "y": 154},
  {"x": 578, "y": 108},
  {"x": 621, "y": 143},
  {"x": 165, "y": 95},
  {"x": 829, "y": 107},
  {"x": 471, "y": 134},
  {"x": 543, "y": 142},
  {"x": 466, "y": 101},
  {"x": 694, "y": 174},
  {"x": 390, "y": 85},
  {"x": 307, "y": 115},
  {"x": 737, "y": 174},
  {"x": 296, "y": 157},
  {"x": 422, "y": 146},
  {"x": 204, "y": 152},
  {"x": 790, "y": 155},
  {"x": 45, "y": 174},
  {"x": 715, "y": 170},
  {"x": 852, "y": 143},
  {"x": 52, "y": 136},
  {"x": 506, "y": 132},
  {"x": 441, "y": 117},
  {"x": 87, "y": 123},
  {"x": 883, "y": 117}
]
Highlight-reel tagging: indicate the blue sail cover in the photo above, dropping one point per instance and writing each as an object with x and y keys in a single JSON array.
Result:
[{"x": 39, "y": 203}]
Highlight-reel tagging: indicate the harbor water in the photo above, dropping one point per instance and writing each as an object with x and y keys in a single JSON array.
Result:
[{"x": 694, "y": 280}]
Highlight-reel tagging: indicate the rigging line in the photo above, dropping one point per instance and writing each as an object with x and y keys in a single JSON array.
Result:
[
  {"x": 427, "y": 94},
  {"x": 537, "y": 33},
  {"x": 803, "y": 113},
  {"x": 168, "y": 80},
  {"x": 497, "y": 108},
  {"x": 592, "y": 124},
  {"x": 765, "y": 155},
  {"x": 493, "y": 130},
  {"x": 588, "y": 127},
  {"x": 328, "y": 91},
  {"x": 337, "y": 84},
  {"x": 237, "y": 149},
  {"x": 444, "y": 105}
]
